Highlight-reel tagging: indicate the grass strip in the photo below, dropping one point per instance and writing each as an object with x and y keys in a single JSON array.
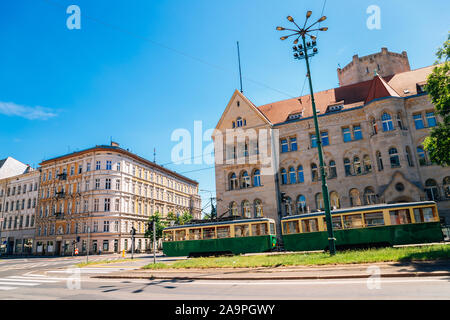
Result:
[
  {"x": 83, "y": 264},
  {"x": 403, "y": 254}
]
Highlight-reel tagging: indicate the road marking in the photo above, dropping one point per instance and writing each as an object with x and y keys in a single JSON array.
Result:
[
  {"x": 25, "y": 279},
  {"x": 18, "y": 283},
  {"x": 7, "y": 288}
]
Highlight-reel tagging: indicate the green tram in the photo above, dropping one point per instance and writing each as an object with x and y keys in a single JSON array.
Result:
[
  {"x": 213, "y": 238},
  {"x": 365, "y": 226}
]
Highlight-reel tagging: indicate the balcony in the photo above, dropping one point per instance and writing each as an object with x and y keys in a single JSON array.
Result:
[{"x": 62, "y": 176}]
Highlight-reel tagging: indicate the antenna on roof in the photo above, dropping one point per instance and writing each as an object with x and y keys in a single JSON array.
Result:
[
  {"x": 239, "y": 60},
  {"x": 154, "y": 155}
]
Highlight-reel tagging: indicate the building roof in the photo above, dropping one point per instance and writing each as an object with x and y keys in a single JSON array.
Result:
[
  {"x": 119, "y": 150},
  {"x": 355, "y": 95}
]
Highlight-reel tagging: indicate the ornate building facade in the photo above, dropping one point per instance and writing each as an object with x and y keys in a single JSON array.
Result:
[
  {"x": 92, "y": 198},
  {"x": 372, "y": 133}
]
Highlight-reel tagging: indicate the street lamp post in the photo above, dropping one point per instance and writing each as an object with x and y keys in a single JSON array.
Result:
[{"x": 301, "y": 52}]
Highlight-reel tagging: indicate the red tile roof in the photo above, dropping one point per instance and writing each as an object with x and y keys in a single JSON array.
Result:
[{"x": 350, "y": 96}]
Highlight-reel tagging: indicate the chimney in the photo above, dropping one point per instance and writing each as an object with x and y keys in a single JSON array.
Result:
[{"x": 114, "y": 144}]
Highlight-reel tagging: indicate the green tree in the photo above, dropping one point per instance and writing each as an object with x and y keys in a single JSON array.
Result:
[
  {"x": 185, "y": 218},
  {"x": 159, "y": 226},
  {"x": 438, "y": 87}
]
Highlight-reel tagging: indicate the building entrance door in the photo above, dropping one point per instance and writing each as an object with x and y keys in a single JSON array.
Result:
[{"x": 58, "y": 248}]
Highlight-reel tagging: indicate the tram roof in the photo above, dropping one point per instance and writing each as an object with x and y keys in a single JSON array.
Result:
[
  {"x": 206, "y": 224},
  {"x": 361, "y": 208}
]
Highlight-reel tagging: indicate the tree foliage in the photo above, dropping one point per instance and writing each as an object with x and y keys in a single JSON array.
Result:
[
  {"x": 438, "y": 87},
  {"x": 159, "y": 226}
]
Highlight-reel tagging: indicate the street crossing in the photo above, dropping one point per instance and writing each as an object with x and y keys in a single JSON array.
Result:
[{"x": 16, "y": 282}]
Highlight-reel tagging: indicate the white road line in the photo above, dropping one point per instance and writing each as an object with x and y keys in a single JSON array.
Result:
[
  {"x": 18, "y": 283},
  {"x": 7, "y": 288},
  {"x": 24, "y": 279}
]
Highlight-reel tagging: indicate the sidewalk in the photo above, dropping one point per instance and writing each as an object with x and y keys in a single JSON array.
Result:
[{"x": 352, "y": 271}]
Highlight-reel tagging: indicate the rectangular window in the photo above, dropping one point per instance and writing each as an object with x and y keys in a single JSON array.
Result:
[
  {"x": 291, "y": 227},
  {"x": 336, "y": 221},
  {"x": 105, "y": 226},
  {"x": 313, "y": 139},
  {"x": 97, "y": 184},
  {"x": 195, "y": 234},
  {"x": 259, "y": 229},
  {"x": 80, "y": 168},
  {"x": 424, "y": 215},
  {"x": 223, "y": 232},
  {"x": 95, "y": 204},
  {"x": 346, "y": 134},
  {"x": 241, "y": 231},
  {"x": 399, "y": 216},
  {"x": 284, "y": 145},
  {"x": 374, "y": 219},
  {"x": 107, "y": 183},
  {"x": 168, "y": 235},
  {"x": 118, "y": 166},
  {"x": 108, "y": 165},
  {"x": 324, "y": 136},
  {"x": 107, "y": 204},
  {"x": 97, "y": 165},
  {"x": 180, "y": 235},
  {"x": 72, "y": 170},
  {"x": 431, "y": 119},
  {"x": 209, "y": 233},
  {"x": 88, "y": 167},
  {"x": 293, "y": 142},
  {"x": 357, "y": 133},
  {"x": 353, "y": 221},
  {"x": 310, "y": 225},
  {"x": 418, "y": 121},
  {"x": 117, "y": 206}
]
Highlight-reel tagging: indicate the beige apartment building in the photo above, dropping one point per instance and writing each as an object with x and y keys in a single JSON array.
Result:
[
  {"x": 372, "y": 129},
  {"x": 91, "y": 199}
]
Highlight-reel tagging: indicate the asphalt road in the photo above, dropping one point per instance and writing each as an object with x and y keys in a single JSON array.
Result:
[{"x": 56, "y": 278}]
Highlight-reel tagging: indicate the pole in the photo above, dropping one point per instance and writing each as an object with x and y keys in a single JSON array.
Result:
[
  {"x": 154, "y": 242},
  {"x": 239, "y": 59},
  {"x": 87, "y": 253},
  {"x": 326, "y": 201},
  {"x": 132, "y": 245}
]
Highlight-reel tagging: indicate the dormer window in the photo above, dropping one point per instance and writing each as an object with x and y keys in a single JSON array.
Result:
[
  {"x": 334, "y": 108},
  {"x": 295, "y": 116},
  {"x": 420, "y": 88}
]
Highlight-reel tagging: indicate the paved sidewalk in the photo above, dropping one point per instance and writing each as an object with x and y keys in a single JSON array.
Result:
[{"x": 392, "y": 269}]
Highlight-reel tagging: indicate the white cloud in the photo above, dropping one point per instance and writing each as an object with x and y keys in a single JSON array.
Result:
[{"x": 31, "y": 113}]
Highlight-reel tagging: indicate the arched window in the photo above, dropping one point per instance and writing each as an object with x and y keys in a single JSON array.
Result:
[
  {"x": 292, "y": 175},
  {"x": 446, "y": 187},
  {"x": 374, "y": 126},
  {"x": 369, "y": 196},
  {"x": 233, "y": 209},
  {"x": 422, "y": 156},
  {"x": 386, "y": 120},
  {"x": 245, "y": 180},
  {"x": 357, "y": 165},
  {"x": 258, "y": 208},
  {"x": 354, "y": 198},
  {"x": 379, "y": 161},
  {"x": 283, "y": 176},
  {"x": 301, "y": 204},
  {"x": 239, "y": 122},
  {"x": 409, "y": 157},
  {"x": 332, "y": 169},
  {"x": 432, "y": 190},
  {"x": 347, "y": 167},
  {"x": 314, "y": 172},
  {"x": 319, "y": 201},
  {"x": 256, "y": 178},
  {"x": 394, "y": 158},
  {"x": 288, "y": 206},
  {"x": 301, "y": 177},
  {"x": 246, "y": 210},
  {"x": 367, "y": 163},
  {"x": 233, "y": 181},
  {"x": 334, "y": 200}
]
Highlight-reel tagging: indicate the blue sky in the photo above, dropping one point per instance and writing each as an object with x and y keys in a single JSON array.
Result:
[{"x": 138, "y": 70}]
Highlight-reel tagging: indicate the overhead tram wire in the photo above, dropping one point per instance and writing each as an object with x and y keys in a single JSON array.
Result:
[{"x": 124, "y": 31}]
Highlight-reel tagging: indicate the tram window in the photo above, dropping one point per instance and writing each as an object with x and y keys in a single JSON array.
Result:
[
  {"x": 168, "y": 236},
  {"x": 309, "y": 225},
  {"x": 223, "y": 232},
  {"x": 424, "y": 214},
  {"x": 180, "y": 235},
  {"x": 272, "y": 228},
  {"x": 353, "y": 221},
  {"x": 195, "y": 234},
  {"x": 291, "y": 227},
  {"x": 259, "y": 229},
  {"x": 337, "y": 223},
  {"x": 241, "y": 230},
  {"x": 400, "y": 216},
  {"x": 209, "y": 233},
  {"x": 374, "y": 219}
]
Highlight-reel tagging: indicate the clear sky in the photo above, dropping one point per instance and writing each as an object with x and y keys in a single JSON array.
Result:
[{"x": 139, "y": 69}]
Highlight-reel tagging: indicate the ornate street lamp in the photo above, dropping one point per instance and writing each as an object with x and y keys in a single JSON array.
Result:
[{"x": 301, "y": 52}]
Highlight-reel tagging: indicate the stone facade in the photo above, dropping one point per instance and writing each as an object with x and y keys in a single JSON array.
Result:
[
  {"x": 18, "y": 203},
  {"x": 385, "y": 63},
  {"x": 372, "y": 150},
  {"x": 95, "y": 196}
]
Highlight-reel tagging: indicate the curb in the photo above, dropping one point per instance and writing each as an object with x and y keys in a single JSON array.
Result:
[{"x": 354, "y": 276}]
